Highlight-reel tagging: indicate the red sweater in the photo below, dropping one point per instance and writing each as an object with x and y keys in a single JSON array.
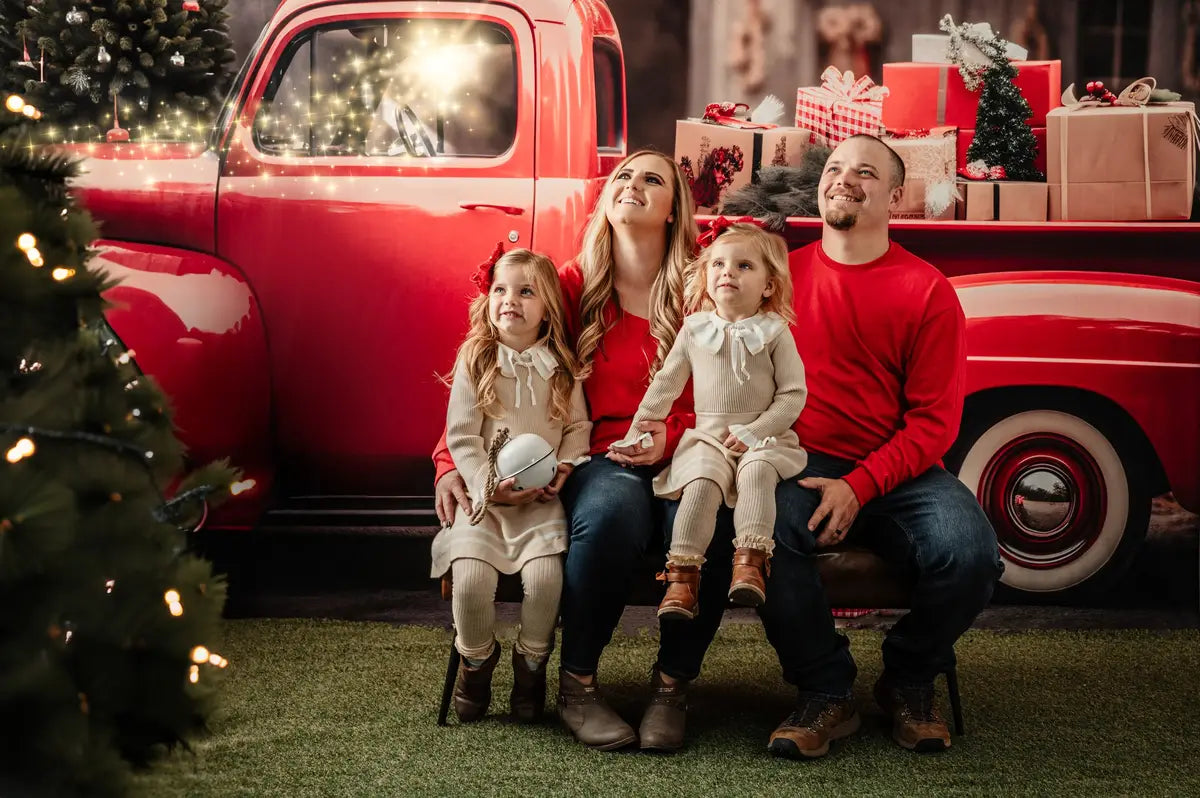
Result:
[
  {"x": 884, "y": 353},
  {"x": 620, "y": 376}
]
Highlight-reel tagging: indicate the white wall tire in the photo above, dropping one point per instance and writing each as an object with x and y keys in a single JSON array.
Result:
[{"x": 1052, "y": 548}]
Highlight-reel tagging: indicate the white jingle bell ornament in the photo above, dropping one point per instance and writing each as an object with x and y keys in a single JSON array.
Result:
[{"x": 528, "y": 458}]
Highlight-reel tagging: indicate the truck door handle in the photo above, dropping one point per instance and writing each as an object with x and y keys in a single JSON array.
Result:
[{"x": 511, "y": 210}]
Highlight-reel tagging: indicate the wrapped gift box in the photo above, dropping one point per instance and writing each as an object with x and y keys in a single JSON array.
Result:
[
  {"x": 717, "y": 159},
  {"x": 930, "y": 48},
  {"x": 1120, "y": 163},
  {"x": 927, "y": 95},
  {"x": 929, "y": 160},
  {"x": 966, "y": 136},
  {"x": 842, "y": 106},
  {"x": 1002, "y": 201}
]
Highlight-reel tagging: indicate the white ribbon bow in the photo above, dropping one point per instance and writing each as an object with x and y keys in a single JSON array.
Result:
[
  {"x": 746, "y": 337},
  {"x": 535, "y": 358}
]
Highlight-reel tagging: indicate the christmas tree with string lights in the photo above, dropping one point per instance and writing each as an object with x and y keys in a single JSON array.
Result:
[
  {"x": 1002, "y": 137},
  {"x": 165, "y": 64},
  {"x": 109, "y": 627}
]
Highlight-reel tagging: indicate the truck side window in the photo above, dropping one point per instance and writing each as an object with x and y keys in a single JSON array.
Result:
[
  {"x": 610, "y": 104},
  {"x": 411, "y": 88}
]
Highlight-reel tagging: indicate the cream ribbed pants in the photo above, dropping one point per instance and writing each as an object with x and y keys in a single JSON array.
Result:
[
  {"x": 473, "y": 605},
  {"x": 753, "y": 517}
]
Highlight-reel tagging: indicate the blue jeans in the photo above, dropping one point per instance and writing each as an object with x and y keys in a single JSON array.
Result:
[
  {"x": 931, "y": 525},
  {"x": 615, "y": 520}
]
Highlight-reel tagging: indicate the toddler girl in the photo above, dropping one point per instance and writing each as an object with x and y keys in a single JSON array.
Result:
[
  {"x": 748, "y": 383},
  {"x": 515, "y": 372}
]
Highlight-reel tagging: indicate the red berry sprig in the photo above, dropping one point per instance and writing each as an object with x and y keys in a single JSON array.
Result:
[{"x": 1096, "y": 91}]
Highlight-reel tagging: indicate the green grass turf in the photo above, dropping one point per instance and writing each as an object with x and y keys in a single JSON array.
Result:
[{"x": 320, "y": 708}]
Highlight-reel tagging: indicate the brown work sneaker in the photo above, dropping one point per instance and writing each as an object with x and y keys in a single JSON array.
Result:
[
  {"x": 807, "y": 732},
  {"x": 473, "y": 687},
  {"x": 683, "y": 591},
  {"x": 916, "y": 723},
  {"x": 662, "y": 725},
  {"x": 588, "y": 717},
  {"x": 528, "y": 697},
  {"x": 750, "y": 570}
]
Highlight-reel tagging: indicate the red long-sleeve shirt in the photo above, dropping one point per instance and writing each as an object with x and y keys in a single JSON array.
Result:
[
  {"x": 884, "y": 352},
  {"x": 620, "y": 376}
]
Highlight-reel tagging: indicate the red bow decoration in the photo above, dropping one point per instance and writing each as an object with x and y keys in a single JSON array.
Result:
[
  {"x": 978, "y": 170},
  {"x": 720, "y": 225},
  {"x": 483, "y": 274},
  {"x": 914, "y": 133},
  {"x": 723, "y": 112}
]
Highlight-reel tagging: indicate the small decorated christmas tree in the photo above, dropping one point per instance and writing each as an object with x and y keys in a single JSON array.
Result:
[
  {"x": 165, "y": 63},
  {"x": 1001, "y": 136},
  {"x": 107, "y": 623}
]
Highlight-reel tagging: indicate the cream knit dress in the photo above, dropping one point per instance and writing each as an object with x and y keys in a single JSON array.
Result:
[
  {"x": 508, "y": 537},
  {"x": 748, "y": 379}
]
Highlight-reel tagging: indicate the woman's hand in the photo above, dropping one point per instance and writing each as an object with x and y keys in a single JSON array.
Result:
[
  {"x": 504, "y": 493},
  {"x": 551, "y": 491},
  {"x": 635, "y": 455},
  {"x": 450, "y": 493}
]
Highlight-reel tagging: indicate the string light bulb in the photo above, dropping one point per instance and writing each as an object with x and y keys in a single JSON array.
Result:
[
  {"x": 25, "y": 241},
  {"x": 20, "y": 450},
  {"x": 200, "y": 654},
  {"x": 171, "y": 597},
  {"x": 14, "y": 103},
  {"x": 126, "y": 357},
  {"x": 35, "y": 257},
  {"x": 62, "y": 273},
  {"x": 109, "y": 585},
  {"x": 241, "y": 487},
  {"x": 194, "y": 674}
]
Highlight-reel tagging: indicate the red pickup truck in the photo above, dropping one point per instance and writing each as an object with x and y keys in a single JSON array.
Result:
[{"x": 296, "y": 284}]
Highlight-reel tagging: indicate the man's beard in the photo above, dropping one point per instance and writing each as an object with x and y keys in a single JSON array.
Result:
[{"x": 840, "y": 220}]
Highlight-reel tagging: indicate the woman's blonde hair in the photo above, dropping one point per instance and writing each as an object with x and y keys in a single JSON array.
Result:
[
  {"x": 478, "y": 350},
  {"x": 769, "y": 247},
  {"x": 599, "y": 304}
]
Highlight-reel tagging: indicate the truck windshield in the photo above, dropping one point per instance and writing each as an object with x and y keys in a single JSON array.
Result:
[{"x": 406, "y": 88}]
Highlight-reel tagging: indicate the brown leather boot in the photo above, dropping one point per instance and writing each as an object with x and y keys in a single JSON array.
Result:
[
  {"x": 916, "y": 723},
  {"x": 528, "y": 697},
  {"x": 683, "y": 591},
  {"x": 807, "y": 732},
  {"x": 663, "y": 724},
  {"x": 588, "y": 717},
  {"x": 750, "y": 569},
  {"x": 473, "y": 687}
]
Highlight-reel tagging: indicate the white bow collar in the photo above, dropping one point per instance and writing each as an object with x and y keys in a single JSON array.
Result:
[
  {"x": 746, "y": 337},
  {"x": 536, "y": 358}
]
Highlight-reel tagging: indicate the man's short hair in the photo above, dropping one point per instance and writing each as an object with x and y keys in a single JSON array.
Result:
[{"x": 897, "y": 161}]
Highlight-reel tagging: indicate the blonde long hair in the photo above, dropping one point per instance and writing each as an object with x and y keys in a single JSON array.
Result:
[
  {"x": 599, "y": 303},
  {"x": 769, "y": 247},
  {"x": 478, "y": 350}
]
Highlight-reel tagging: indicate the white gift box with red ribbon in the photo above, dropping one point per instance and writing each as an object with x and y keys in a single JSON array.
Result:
[{"x": 842, "y": 106}]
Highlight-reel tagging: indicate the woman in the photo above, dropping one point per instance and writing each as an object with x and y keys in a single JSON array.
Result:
[{"x": 624, "y": 294}]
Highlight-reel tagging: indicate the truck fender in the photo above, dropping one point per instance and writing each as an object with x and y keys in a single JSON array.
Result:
[
  {"x": 195, "y": 327},
  {"x": 1070, "y": 424}
]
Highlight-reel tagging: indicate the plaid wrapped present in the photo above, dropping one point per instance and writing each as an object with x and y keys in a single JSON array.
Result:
[{"x": 841, "y": 106}]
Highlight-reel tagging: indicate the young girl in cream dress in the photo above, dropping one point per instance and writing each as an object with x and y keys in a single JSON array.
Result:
[
  {"x": 514, "y": 371},
  {"x": 748, "y": 383}
]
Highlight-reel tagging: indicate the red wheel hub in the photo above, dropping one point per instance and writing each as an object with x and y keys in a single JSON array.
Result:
[{"x": 1045, "y": 496}]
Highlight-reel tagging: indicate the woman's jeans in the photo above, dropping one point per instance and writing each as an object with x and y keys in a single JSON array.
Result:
[
  {"x": 615, "y": 520},
  {"x": 931, "y": 525}
]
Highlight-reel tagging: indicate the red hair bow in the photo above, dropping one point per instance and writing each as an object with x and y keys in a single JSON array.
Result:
[
  {"x": 483, "y": 274},
  {"x": 720, "y": 225}
]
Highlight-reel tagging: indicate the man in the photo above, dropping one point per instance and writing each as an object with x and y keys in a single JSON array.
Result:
[{"x": 882, "y": 336}]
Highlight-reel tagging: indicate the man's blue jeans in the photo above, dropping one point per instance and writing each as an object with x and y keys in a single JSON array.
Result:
[
  {"x": 615, "y": 520},
  {"x": 931, "y": 525}
]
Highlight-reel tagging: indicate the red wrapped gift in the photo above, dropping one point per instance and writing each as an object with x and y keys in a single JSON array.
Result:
[
  {"x": 927, "y": 95},
  {"x": 965, "y": 137},
  {"x": 841, "y": 106}
]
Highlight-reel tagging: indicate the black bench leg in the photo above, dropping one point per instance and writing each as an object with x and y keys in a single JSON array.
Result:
[
  {"x": 448, "y": 688},
  {"x": 951, "y": 675}
]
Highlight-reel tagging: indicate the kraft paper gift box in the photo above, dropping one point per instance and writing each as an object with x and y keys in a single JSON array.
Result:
[
  {"x": 929, "y": 160},
  {"x": 842, "y": 106},
  {"x": 965, "y": 137},
  {"x": 719, "y": 157},
  {"x": 1003, "y": 201},
  {"x": 1121, "y": 163},
  {"x": 928, "y": 95}
]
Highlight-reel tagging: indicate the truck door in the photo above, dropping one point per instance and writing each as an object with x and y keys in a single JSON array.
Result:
[{"x": 382, "y": 151}]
